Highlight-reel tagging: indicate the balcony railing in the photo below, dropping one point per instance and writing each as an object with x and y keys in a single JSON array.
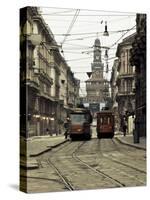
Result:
[
  {"x": 32, "y": 80},
  {"x": 126, "y": 75},
  {"x": 43, "y": 75},
  {"x": 56, "y": 66},
  {"x": 125, "y": 93}
]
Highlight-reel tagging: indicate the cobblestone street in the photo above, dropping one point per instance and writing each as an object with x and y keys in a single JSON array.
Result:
[{"x": 79, "y": 165}]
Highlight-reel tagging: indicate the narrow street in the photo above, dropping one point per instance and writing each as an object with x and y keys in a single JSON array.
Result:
[
  {"x": 92, "y": 164},
  {"x": 82, "y": 74}
]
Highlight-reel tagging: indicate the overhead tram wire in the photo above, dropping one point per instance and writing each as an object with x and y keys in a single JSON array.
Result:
[
  {"x": 55, "y": 13},
  {"x": 71, "y": 25},
  {"x": 91, "y": 22},
  {"x": 86, "y": 72},
  {"x": 72, "y": 52},
  {"x": 78, "y": 45},
  {"x": 76, "y": 59},
  {"x": 87, "y": 37},
  {"x": 83, "y": 47},
  {"x": 122, "y": 36},
  {"x": 127, "y": 30},
  {"x": 91, "y": 33},
  {"x": 86, "y": 15},
  {"x": 88, "y": 10}
]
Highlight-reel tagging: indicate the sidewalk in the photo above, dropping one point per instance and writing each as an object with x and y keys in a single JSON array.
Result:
[
  {"x": 38, "y": 145},
  {"x": 41, "y": 144},
  {"x": 128, "y": 140}
]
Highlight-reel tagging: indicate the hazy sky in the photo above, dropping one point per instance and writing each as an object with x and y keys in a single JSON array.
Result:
[{"x": 82, "y": 28}]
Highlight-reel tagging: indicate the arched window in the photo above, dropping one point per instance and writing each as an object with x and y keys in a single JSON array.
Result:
[
  {"x": 129, "y": 85},
  {"x": 27, "y": 29}
]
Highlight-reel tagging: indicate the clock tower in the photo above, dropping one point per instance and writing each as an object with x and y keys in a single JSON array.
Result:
[
  {"x": 97, "y": 51},
  {"x": 97, "y": 62},
  {"x": 96, "y": 83}
]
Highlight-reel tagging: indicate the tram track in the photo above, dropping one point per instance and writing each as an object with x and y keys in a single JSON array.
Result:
[
  {"x": 68, "y": 183},
  {"x": 114, "y": 161},
  {"x": 122, "y": 163},
  {"x": 65, "y": 181},
  {"x": 98, "y": 171},
  {"x": 74, "y": 155},
  {"x": 68, "y": 155}
]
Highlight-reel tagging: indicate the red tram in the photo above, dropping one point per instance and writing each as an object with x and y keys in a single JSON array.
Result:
[
  {"x": 105, "y": 124},
  {"x": 80, "y": 123}
]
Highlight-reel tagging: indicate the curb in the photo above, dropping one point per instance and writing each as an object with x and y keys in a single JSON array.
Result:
[
  {"x": 131, "y": 145},
  {"x": 26, "y": 165},
  {"x": 49, "y": 149},
  {"x": 30, "y": 167}
]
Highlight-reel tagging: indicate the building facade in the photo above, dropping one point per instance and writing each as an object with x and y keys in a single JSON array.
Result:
[
  {"x": 114, "y": 91},
  {"x": 42, "y": 72},
  {"x": 138, "y": 59},
  {"x": 126, "y": 84}
]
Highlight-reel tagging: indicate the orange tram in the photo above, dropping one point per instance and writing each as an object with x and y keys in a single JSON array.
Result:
[
  {"x": 80, "y": 124},
  {"x": 105, "y": 124}
]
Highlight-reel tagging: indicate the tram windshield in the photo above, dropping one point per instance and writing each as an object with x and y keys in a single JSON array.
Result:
[{"x": 78, "y": 118}]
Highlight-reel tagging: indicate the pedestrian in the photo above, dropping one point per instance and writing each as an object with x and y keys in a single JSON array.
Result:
[
  {"x": 66, "y": 126},
  {"x": 47, "y": 131},
  {"x": 124, "y": 129}
]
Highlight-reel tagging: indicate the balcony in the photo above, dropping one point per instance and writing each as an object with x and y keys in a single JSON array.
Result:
[
  {"x": 46, "y": 96},
  {"x": 125, "y": 93},
  {"x": 126, "y": 75},
  {"x": 32, "y": 80},
  {"x": 56, "y": 66},
  {"x": 43, "y": 76}
]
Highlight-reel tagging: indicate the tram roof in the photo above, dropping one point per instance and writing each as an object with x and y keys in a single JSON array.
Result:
[
  {"x": 105, "y": 112},
  {"x": 79, "y": 110}
]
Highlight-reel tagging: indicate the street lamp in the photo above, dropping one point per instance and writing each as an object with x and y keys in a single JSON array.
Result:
[
  {"x": 107, "y": 67},
  {"x": 106, "y": 54},
  {"x": 105, "y": 32}
]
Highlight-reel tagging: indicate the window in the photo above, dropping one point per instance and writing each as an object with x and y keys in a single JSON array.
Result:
[
  {"x": 27, "y": 29},
  {"x": 129, "y": 85},
  {"x": 35, "y": 29},
  {"x": 105, "y": 120},
  {"x": 123, "y": 65}
]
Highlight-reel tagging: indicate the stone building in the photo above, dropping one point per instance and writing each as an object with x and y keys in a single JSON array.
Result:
[
  {"x": 126, "y": 83},
  {"x": 97, "y": 87},
  {"x": 42, "y": 93},
  {"x": 138, "y": 59},
  {"x": 69, "y": 91},
  {"x": 114, "y": 91}
]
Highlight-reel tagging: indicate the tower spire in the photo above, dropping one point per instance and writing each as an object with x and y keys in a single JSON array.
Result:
[
  {"x": 97, "y": 62},
  {"x": 97, "y": 51}
]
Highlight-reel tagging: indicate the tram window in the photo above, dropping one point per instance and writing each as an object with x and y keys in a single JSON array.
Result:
[
  {"x": 101, "y": 120},
  {"x": 105, "y": 120},
  {"x": 87, "y": 117}
]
